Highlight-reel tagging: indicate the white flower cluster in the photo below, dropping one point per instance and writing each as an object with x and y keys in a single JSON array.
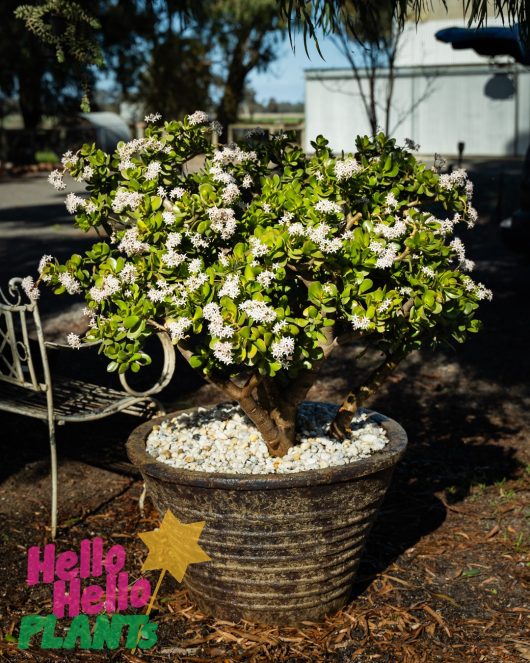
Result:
[
  {"x": 153, "y": 170},
  {"x": 247, "y": 182},
  {"x": 319, "y": 235},
  {"x": 283, "y": 350},
  {"x": 130, "y": 244},
  {"x": 360, "y": 322},
  {"x": 168, "y": 217},
  {"x": 128, "y": 274},
  {"x": 42, "y": 264},
  {"x": 216, "y": 325},
  {"x": 69, "y": 283},
  {"x": 55, "y": 178},
  {"x": 127, "y": 150},
  {"x": 223, "y": 221},
  {"x": 177, "y": 193},
  {"x": 328, "y": 207},
  {"x": 108, "y": 287},
  {"x": 223, "y": 352},
  {"x": 230, "y": 193},
  {"x": 73, "y": 203},
  {"x": 457, "y": 177},
  {"x": 386, "y": 254},
  {"x": 344, "y": 170},
  {"x": 391, "y": 232},
  {"x": 233, "y": 154},
  {"x": 265, "y": 278},
  {"x": 73, "y": 341},
  {"x": 258, "y": 248},
  {"x": 28, "y": 285},
  {"x": 199, "y": 117},
  {"x": 152, "y": 117},
  {"x": 231, "y": 287},
  {"x": 177, "y": 328},
  {"x": 126, "y": 199},
  {"x": 258, "y": 310},
  {"x": 69, "y": 159},
  {"x": 458, "y": 247}
]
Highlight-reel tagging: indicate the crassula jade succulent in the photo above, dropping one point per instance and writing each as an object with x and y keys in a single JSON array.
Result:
[{"x": 260, "y": 263}]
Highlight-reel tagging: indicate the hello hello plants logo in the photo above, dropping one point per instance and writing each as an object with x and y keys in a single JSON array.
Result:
[{"x": 172, "y": 548}]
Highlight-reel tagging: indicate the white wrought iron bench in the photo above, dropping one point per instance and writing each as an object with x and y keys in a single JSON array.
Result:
[{"x": 28, "y": 388}]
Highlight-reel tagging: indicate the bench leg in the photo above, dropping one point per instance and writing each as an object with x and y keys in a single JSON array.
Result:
[{"x": 53, "y": 458}]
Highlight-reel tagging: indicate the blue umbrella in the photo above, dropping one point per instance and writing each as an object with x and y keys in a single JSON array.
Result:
[{"x": 488, "y": 41}]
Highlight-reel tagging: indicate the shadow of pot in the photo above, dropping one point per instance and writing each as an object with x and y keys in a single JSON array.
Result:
[{"x": 284, "y": 548}]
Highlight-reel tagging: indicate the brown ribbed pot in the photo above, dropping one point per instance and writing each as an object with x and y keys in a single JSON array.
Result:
[{"x": 284, "y": 547}]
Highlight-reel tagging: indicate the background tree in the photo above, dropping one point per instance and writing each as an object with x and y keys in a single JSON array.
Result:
[{"x": 368, "y": 38}]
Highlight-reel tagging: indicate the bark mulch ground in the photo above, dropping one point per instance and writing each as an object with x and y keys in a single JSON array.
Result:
[{"x": 446, "y": 573}]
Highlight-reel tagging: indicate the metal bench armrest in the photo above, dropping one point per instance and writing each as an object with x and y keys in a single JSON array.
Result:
[{"x": 167, "y": 370}]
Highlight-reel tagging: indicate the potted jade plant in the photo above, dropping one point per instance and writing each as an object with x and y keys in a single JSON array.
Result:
[{"x": 259, "y": 264}]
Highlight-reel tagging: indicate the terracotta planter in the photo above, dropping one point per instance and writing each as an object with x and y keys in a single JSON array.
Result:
[{"x": 285, "y": 548}]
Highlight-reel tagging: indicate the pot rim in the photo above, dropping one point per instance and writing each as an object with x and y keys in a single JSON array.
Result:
[{"x": 376, "y": 462}]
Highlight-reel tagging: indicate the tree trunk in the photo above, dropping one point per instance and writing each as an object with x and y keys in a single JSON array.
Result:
[{"x": 30, "y": 91}]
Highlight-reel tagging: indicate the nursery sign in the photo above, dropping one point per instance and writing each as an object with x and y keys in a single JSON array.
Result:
[{"x": 107, "y": 591}]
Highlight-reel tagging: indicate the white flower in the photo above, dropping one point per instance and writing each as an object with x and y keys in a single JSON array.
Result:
[
  {"x": 405, "y": 290},
  {"x": 177, "y": 193},
  {"x": 69, "y": 160},
  {"x": 168, "y": 217},
  {"x": 247, "y": 182},
  {"x": 297, "y": 229},
  {"x": 481, "y": 292},
  {"x": 233, "y": 154},
  {"x": 360, "y": 322},
  {"x": 42, "y": 264},
  {"x": 69, "y": 283},
  {"x": 195, "y": 266},
  {"x": 131, "y": 244},
  {"x": 287, "y": 218},
  {"x": 391, "y": 201},
  {"x": 55, "y": 178},
  {"x": 384, "y": 305},
  {"x": 258, "y": 310},
  {"x": 283, "y": 349},
  {"x": 428, "y": 271},
  {"x": 91, "y": 207},
  {"x": 153, "y": 170},
  {"x": 265, "y": 278},
  {"x": 258, "y": 248},
  {"x": 223, "y": 258},
  {"x": 173, "y": 240},
  {"x": 128, "y": 274},
  {"x": 125, "y": 198},
  {"x": 223, "y": 352},
  {"x": 346, "y": 169},
  {"x": 328, "y": 207},
  {"x": 472, "y": 216},
  {"x": 223, "y": 221},
  {"x": 73, "y": 341},
  {"x": 216, "y": 326},
  {"x": 197, "y": 240},
  {"x": 195, "y": 281},
  {"x": 177, "y": 328},
  {"x": 109, "y": 286},
  {"x": 173, "y": 259},
  {"x": 391, "y": 232},
  {"x": 152, "y": 117},
  {"x": 281, "y": 324},
  {"x": 28, "y": 285},
  {"x": 457, "y": 177},
  {"x": 87, "y": 174},
  {"x": 199, "y": 117},
  {"x": 73, "y": 202},
  {"x": 231, "y": 287},
  {"x": 230, "y": 193}
]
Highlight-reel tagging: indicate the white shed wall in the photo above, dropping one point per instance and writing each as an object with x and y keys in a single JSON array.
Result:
[{"x": 435, "y": 107}]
